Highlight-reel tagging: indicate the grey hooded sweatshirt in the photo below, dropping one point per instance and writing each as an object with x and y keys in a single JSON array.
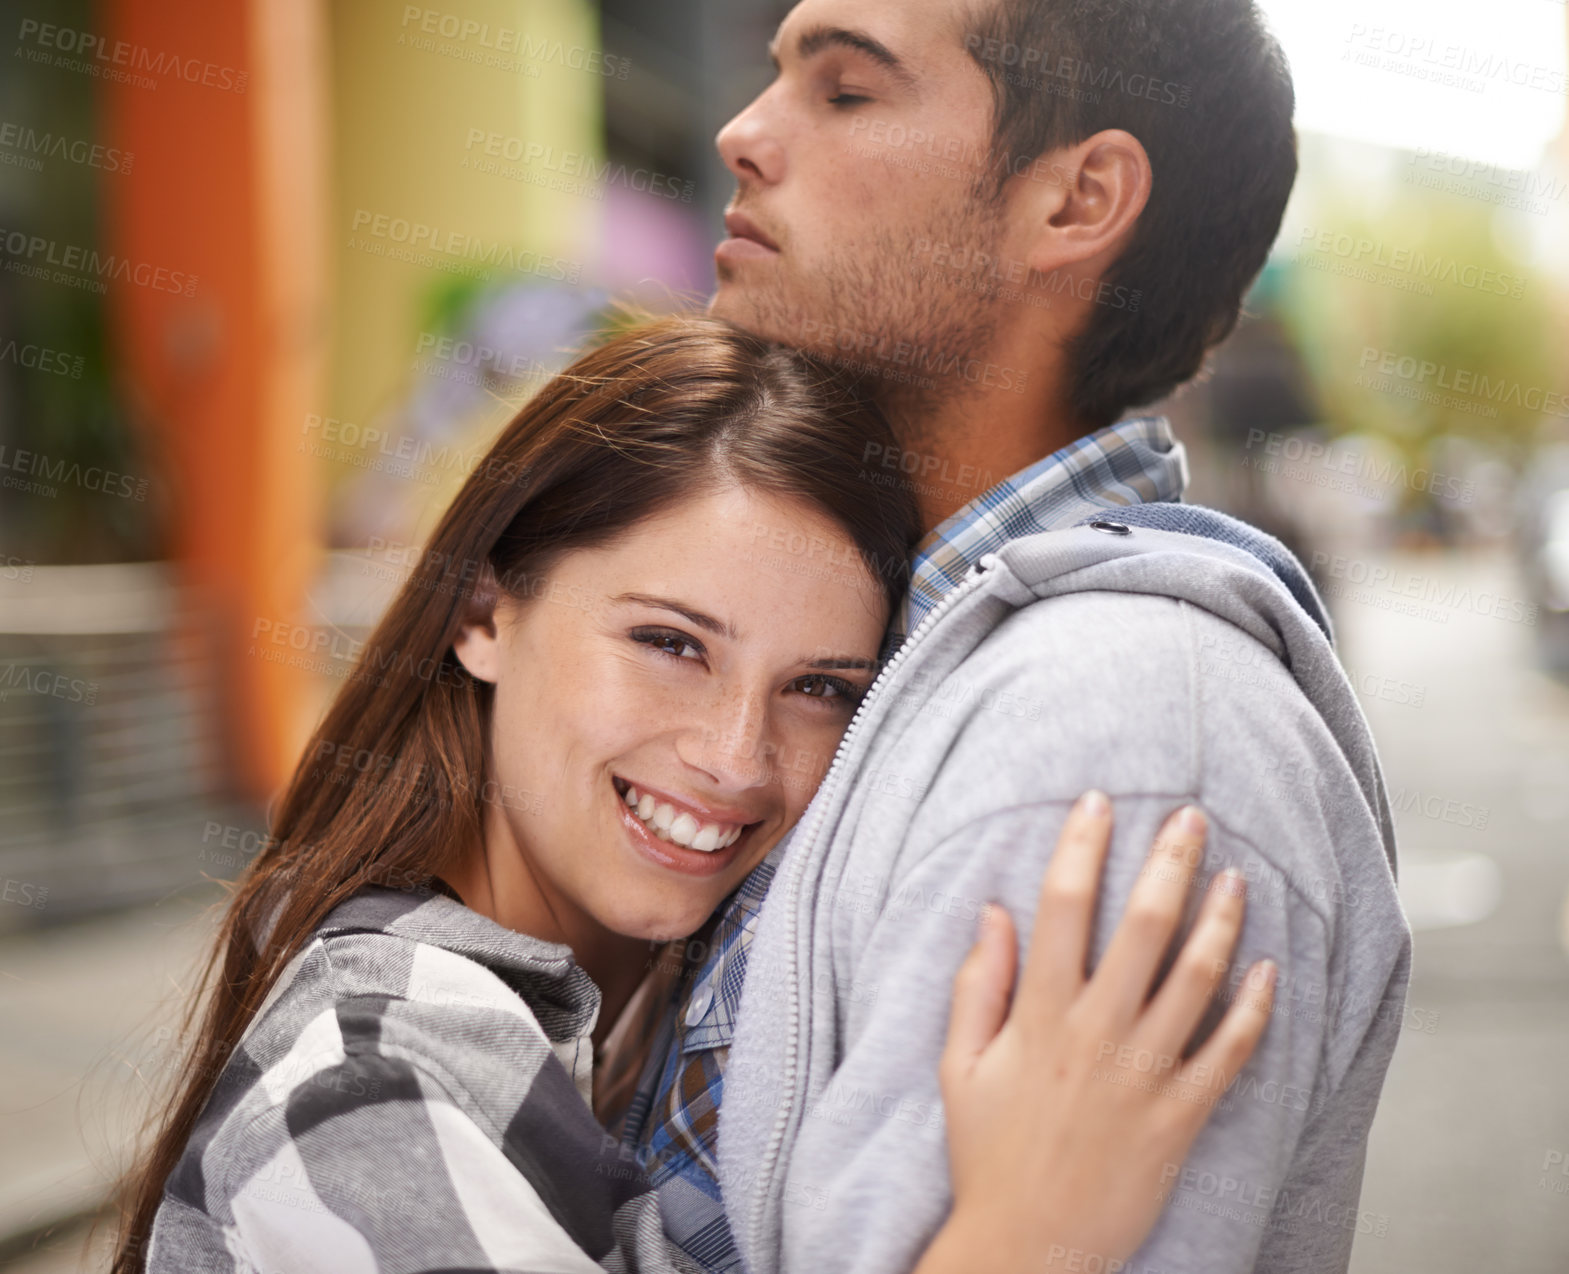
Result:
[{"x": 1162, "y": 668}]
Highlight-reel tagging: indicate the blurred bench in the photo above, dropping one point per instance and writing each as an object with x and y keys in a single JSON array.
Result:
[{"x": 110, "y": 762}]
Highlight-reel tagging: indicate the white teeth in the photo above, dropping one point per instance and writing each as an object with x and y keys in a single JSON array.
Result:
[
  {"x": 683, "y": 828},
  {"x": 705, "y": 838}
]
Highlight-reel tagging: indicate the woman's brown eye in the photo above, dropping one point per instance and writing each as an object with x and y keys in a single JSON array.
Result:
[
  {"x": 830, "y": 688},
  {"x": 668, "y": 643}
]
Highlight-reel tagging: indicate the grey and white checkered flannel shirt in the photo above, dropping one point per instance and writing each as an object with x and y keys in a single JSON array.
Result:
[{"x": 412, "y": 1097}]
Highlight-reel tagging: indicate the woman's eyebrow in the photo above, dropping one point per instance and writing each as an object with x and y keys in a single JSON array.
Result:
[
  {"x": 815, "y": 39},
  {"x": 704, "y": 621},
  {"x": 841, "y": 665}
]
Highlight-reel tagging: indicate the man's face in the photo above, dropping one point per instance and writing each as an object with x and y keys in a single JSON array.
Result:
[{"x": 862, "y": 171}]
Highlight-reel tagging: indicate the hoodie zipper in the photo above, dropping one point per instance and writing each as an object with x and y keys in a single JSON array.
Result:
[{"x": 969, "y": 584}]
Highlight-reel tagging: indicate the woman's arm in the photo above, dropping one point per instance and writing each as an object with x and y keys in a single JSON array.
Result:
[{"x": 1059, "y": 1136}]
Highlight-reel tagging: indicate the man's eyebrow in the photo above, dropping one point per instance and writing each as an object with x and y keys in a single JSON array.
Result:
[
  {"x": 815, "y": 39},
  {"x": 706, "y": 622}
]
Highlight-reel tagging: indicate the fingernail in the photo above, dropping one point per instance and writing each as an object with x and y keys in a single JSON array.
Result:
[
  {"x": 1191, "y": 820},
  {"x": 1267, "y": 972},
  {"x": 1230, "y": 882},
  {"x": 1094, "y": 803}
]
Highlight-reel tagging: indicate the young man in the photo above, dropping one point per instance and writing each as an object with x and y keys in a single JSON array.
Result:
[{"x": 1021, "y": 218}]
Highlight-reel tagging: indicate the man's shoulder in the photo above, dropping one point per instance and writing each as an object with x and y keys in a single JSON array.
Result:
[
  {"x": 1131, "y": 693},
  {"x": 1083, "y": 632},
  {"x": 1108, "y": 667}
]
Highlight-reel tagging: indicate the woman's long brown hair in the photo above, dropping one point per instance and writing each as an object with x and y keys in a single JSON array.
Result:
[{"x": 389, "y": 788}]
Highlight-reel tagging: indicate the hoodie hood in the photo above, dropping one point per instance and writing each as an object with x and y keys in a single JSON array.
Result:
[{"x": 1223, "y": 566}]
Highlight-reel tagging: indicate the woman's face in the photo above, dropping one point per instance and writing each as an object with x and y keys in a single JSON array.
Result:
[{"x": 703, "y": 665}]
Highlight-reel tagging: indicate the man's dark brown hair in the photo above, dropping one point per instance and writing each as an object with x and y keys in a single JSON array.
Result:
[{"x": 1205, "y": 88}]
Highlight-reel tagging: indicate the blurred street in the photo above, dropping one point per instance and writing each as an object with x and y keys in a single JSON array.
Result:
[
  {"x": 1465, "y": 1170},
  {"x": 90, "y": 1008},
  {"x": 1473, "y": 1107}
]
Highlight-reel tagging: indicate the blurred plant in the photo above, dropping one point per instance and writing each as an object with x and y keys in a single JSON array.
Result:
[
  {"x": 506, "y": 340},
  {"x": 68, "y": 413},
  {"x": 1468, "y": 360}
]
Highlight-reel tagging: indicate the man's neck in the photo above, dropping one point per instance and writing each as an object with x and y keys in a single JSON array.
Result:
[{"x": 956, "y": 447}]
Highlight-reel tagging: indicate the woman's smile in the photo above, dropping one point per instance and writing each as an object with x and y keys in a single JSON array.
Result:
[
  {"x": 685, "y": 836},
  {"x": 692, "y": 824}
]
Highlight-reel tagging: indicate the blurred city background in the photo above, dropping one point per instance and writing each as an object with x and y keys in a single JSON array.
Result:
[{"x": 271, "y": 281}]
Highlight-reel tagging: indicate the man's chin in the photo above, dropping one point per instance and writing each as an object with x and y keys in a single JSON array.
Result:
[
  {"x": 788, "y": 318},
  {"x": 729, "y": 302},
  {"x": 739, "y": 306}
]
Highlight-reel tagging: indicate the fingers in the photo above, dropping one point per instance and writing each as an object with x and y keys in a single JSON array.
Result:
[
  {"x": 1154, "y": 910},
  {"x": 1059, "y": 942},
  {"x": 981, "y": 992},
  {"x": 1178, "y": 1007},
  {"x": 1228, "y": 1050}
]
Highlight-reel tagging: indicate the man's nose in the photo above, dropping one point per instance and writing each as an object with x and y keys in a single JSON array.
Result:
[{"x": 750, "y": 145}]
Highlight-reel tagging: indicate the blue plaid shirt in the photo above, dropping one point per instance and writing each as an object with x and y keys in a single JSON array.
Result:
[{"x": 672, "y": 1123}]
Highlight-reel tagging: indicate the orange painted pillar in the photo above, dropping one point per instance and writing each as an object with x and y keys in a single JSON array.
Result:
[{"x": 222, "y": 349}]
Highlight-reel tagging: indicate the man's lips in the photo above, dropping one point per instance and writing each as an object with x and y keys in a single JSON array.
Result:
[{"x": 739, "y": 226}]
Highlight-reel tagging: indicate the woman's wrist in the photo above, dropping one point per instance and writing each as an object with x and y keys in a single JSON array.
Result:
[
  {"x": 969, "y": 1241},
  {"x": 951, "y": 1250}
]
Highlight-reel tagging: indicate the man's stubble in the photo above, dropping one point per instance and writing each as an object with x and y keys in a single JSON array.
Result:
[{"x": 883, "y": 311}]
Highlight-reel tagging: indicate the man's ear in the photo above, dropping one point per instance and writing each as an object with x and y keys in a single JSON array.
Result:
[
  {"x": 1101, "y": 187},
  {"x": 477, "y": 644}
]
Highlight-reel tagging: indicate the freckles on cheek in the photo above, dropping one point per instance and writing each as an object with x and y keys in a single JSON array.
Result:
[{"x": 634, "y": 687}]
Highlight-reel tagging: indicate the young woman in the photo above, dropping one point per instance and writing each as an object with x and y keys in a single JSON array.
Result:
[{"x": 608, "y": 689}]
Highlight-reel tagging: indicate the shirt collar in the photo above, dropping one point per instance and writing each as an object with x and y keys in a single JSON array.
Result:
[
  {"x": 561, "y": 995},
  {"x": 1136, "y": 461}
]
